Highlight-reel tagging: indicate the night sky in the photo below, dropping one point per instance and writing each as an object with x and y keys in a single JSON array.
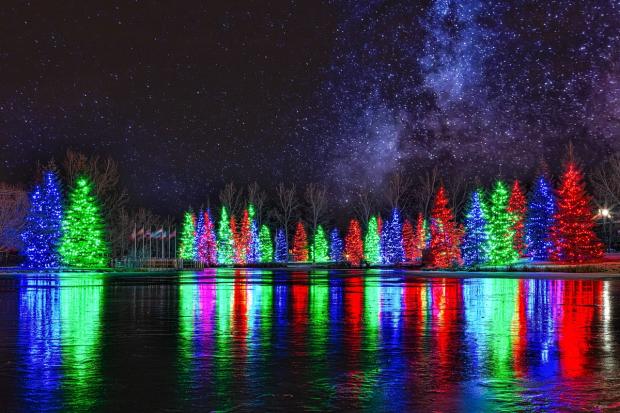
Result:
[{"x": 190, "y": 95}]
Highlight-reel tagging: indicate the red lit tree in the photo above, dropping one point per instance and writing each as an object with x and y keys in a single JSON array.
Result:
[
  {"x": 236, "y": 236},
  {"x": 379, "y": 225},
  {"x": 210, "y": 240},
  {"x": 300, "y": 243},
  {"x": 244, "y": 238},
  {"x": 409, "y": 242},
  {"x": 353, "y": 245},
  {"x": 517, "y": 207},
  {"x": 572, "y": 234},
  {"x": 444, "y": 248}
]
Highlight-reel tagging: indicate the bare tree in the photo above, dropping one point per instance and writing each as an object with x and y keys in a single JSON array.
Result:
[
  {"x": 605, "y": 181},
  {"x": 287, "y": 206},
  {"x": 258, "y": 198},
  {"x": 397, "y": 192},
  {"x": 364, "y": 206},
  {"x": 13, "y": 207},
  {"x": 427, "y": 184},
  {"x": 316, "y": 197},
  {"x": 457, "y": 187},
  {"x": 231, "y": 198}
]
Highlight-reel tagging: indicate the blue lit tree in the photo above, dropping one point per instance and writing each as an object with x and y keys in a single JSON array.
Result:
[
  {"x": 392, "y": 251},
  {"x": 336, "y": 246},
  {"x": 475, "y": 237},
  {"x": 539, "y": 220},
  {"x": 281, "y": 246},
  {"x": 200, "y": 238},
  {"x": 254, "y": 252},
  {"x": 42, "y": 229}
]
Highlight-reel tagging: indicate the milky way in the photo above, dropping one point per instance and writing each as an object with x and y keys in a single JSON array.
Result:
[{"x": 338, "y": 92}]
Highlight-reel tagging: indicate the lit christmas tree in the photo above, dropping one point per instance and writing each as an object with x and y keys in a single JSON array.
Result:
[
  {"x": 281, "y": 246},
  {"x": 319, "y": 249},
  {"x": 444, "y": 249},
  {"x": 225, "y": 241},
  {"x": 421, "y": 237},
  {"x": 43, "y": 224},
  {"x": 475, "y": 238},
  {"x": 199, "y": 239},
  {"x": 82, "y": 243},
  {"x": 243, "y": 241},
  {"x": 572, "y": 233},
  {"x": 353, "y": 246},
  {"x": 254, "y": 251},
  {"x": 266, "y": 245},
  {"x": 409, "y": 242},
  {"x": 238, "y": 251},
  {"x": 500, "y": 243},
  {"x": 392, "y": 240},
  {"x": 517, "y": 207},
  {"x": 209, "y": 242},
  {"x": 300, "y": 244},
  {"x": 188, "y": 235},
  {"x": 335, "y": 246},
  {"x": 372, "y": 242},
  {"x": 539, "y": 220}
]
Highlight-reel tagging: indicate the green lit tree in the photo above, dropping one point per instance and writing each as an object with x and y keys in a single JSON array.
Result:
[
  {"x": 82, "y": 243},
  {"x": 372, "y": 242},
  {"x": 266, "y": 245},
  {"x": 500, "y": 241},
  {"x": 319, "y": 249},
  {"x": 188, "y": 237}
]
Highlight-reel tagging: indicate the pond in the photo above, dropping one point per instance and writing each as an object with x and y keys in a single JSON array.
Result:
[{"x": 377, "y": 340}]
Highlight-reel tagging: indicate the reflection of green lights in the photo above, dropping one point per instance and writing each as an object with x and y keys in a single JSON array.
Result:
[
  {"x": 81, "y": 303},
  {"x": 372, "y": 305}
]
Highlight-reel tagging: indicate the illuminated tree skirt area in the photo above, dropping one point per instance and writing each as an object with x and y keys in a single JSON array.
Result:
[{"x": 265, "y": 340}]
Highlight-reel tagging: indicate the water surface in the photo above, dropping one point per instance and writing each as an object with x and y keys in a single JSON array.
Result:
[{"x": 322, "y": 340}]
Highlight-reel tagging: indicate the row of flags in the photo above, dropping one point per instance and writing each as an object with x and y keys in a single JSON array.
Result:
[{"x": 149, "y": 233}]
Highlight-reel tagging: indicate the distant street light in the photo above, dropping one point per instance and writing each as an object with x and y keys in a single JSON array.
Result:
[{"x": 605, "y": 213}]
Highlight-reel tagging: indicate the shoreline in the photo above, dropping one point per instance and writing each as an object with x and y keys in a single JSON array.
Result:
[{"x": 419, "y": 273}]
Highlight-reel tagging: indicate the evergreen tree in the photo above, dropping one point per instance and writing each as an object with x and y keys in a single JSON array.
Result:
[
  {"x": 444, "y": 250},
  {"x": 281, "y": 246},
  {"x": 319, "y": 249},
  {"x": 254, "y": 250},
  {"x": 409, "y": 242},
  {"x": 43, "y": 224},
  {"x": 200, "y": 247},
  {"x": 475, "y": 237},
  {"x": 372, "y": 242},
  {"x": 238, "y": 251},
  {"x": 225, "y": 241},
  {"x": 188, "y": 236},
  {"x": 572, "y": 233},
  {"x": 353, "y": 246},
  {"x": 500, "y": 243},
  {"x": 539, "y": 220},
  {"x": 420, "y": 237},
  {"x": 300, "y": 243},
  {"x": 517, "y": 207},
  {"x": 82, "y": 243},
  {"x": 266, "y": 245},
  {"x": 210, "y": 240},
  {"x": 335, "y": 246},
  {"x": 392, "y": 240}
]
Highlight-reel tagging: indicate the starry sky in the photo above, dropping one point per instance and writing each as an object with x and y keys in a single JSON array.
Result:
[{"x": 188, "y": 96}]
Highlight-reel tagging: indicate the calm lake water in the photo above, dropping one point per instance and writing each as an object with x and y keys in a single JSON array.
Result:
[{"x": 321, "y": 340}]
